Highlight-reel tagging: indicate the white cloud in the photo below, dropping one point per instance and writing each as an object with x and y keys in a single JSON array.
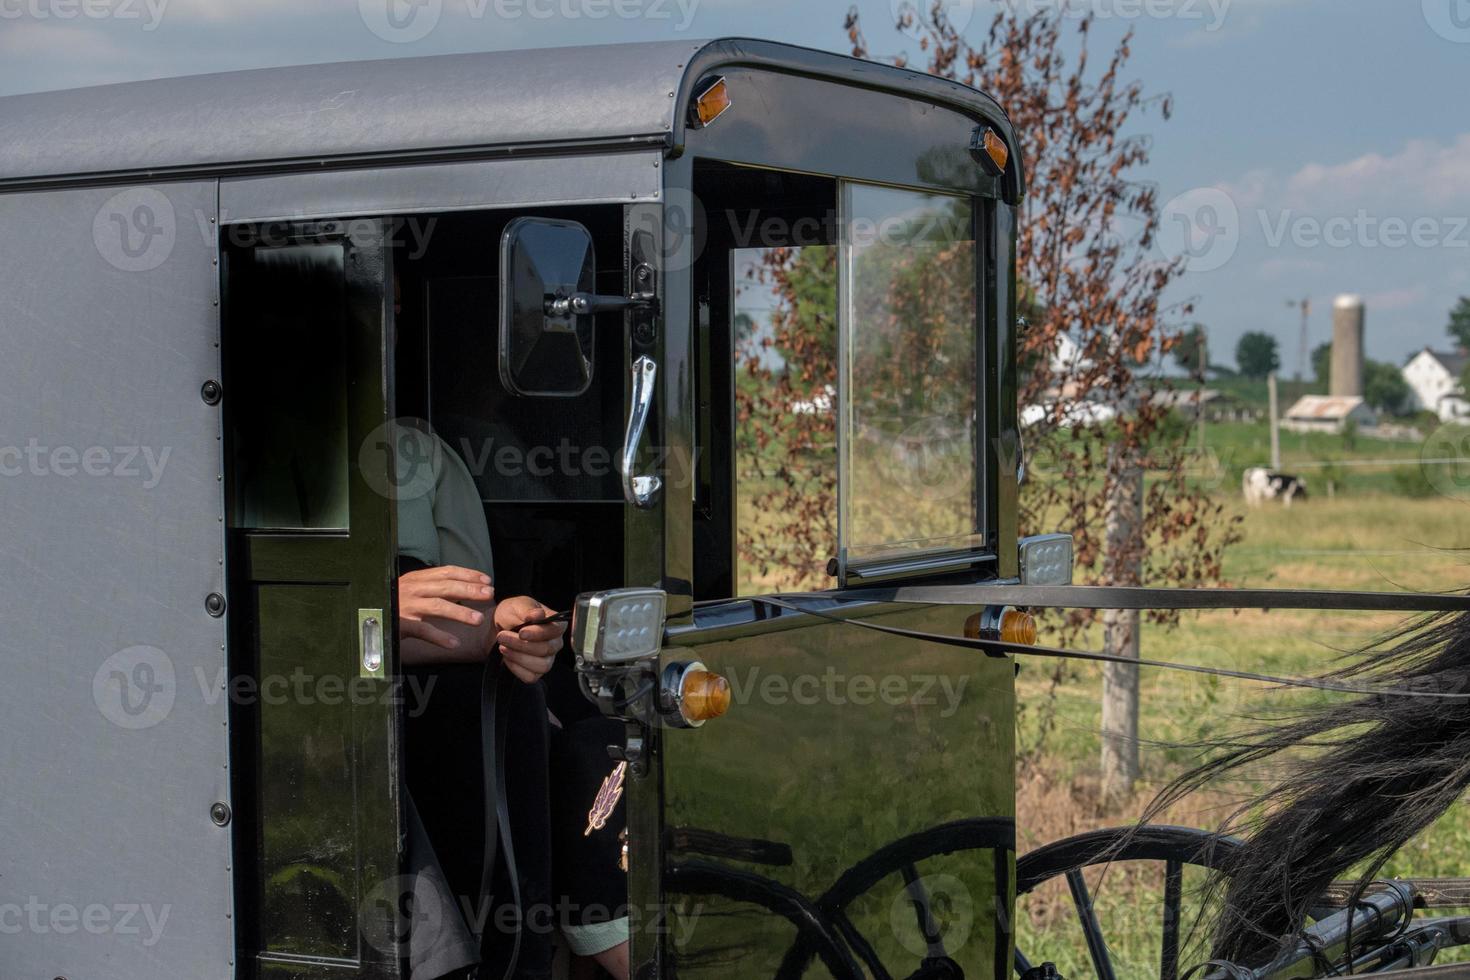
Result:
[
  {"x": 1425, "y": 169},
  {"x": 1407, "y": 298},
  {"x": 1422, "y": 177}
]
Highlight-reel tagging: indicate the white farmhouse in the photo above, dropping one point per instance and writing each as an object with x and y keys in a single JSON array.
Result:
[{"x": 1434, "y": 378}]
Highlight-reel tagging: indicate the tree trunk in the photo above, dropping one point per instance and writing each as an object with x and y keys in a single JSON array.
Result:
[{"x": 1123, "y": 565}]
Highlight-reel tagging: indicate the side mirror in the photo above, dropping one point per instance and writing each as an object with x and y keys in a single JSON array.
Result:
[{"x": 546, "y": 338}]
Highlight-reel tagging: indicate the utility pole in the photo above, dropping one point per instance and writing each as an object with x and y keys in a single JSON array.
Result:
[
  {"x": 1204, "y": 376},
  {"x": 1275, "y": 424},
  {"x": 1123, "y": 565},
  {"x": 1303, "y": 353}
]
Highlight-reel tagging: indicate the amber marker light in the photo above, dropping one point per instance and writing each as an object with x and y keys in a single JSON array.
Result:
[
  {"x": 705, "y": 695},
  {"x": 712, "y": 103},
  {"x": 1004, "y": 623},
  {"x": 1018, "y": 627},
  {"x": 990, "y": 151}
]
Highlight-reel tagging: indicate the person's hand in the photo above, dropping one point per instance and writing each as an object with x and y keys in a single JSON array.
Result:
[
  {"x": 528, "y": 650},
  {"x": 440, "y": 593}
]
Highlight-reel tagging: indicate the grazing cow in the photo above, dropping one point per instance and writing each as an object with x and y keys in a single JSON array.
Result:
[{"x": 1261, "y": 485}]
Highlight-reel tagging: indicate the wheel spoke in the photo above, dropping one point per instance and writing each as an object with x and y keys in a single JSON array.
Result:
[
  {"x": 1173, "y": 889},
  {"x": 919, "y": 895},
  {"x": 1097, "y": 947},
  {"x": 860, "y": 946}
]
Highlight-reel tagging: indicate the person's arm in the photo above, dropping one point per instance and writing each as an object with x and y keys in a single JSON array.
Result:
[{"x": 445, "y": 616}]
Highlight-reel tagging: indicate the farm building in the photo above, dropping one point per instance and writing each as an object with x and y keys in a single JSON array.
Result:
[
  {"x": 1434, "y": 377},
  {"x": 1328, "y": 413}
]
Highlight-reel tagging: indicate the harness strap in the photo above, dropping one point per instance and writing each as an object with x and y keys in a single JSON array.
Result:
[
  {"x": 1000, "y": 648},
  {"x": 1144, "y": 598},
  {"x": 495, "y": 687}
]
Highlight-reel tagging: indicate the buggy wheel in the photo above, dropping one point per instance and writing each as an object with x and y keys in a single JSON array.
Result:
[
  {"x": 1174, "y": 847},
  {"x": 900, "y": 858}
]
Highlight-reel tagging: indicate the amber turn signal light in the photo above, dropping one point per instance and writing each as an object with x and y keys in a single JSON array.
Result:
[
  {"x": 704, "y": 695},
  {"x": 712, "y": 103},
  {"x": 1004, "y": 623},
  {"x": 1018, "y": 627},
  {"x": 990, "y": 151}
]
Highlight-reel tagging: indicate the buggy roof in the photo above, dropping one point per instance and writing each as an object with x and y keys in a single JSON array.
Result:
[{"x": 337, "y": 114}]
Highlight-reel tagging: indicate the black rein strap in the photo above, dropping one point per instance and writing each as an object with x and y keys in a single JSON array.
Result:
[{"x": 999, "y": 648}]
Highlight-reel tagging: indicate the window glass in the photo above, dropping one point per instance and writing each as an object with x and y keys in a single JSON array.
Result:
[
  {"x": 909, "y": 477},
  {"x": 785, "y": 331},
  {"x": 289, "y": 340}
]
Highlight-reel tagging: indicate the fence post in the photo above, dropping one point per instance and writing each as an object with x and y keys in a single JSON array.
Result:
[{"x": 1123, "y": 565}]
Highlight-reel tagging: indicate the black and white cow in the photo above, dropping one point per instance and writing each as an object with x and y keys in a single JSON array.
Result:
[{"x": 1261, "y": 485}]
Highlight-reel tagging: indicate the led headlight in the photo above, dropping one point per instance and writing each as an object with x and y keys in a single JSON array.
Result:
[
  {"x": 619, "y": 627},
  {"x": 1046, "y": 559}
]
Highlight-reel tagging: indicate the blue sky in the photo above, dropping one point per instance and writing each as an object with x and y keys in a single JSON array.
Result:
[{"x": 1318, "y": 146}]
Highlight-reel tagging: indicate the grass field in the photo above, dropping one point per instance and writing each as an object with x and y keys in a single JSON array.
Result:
[{"x": 1362, "y": 539}]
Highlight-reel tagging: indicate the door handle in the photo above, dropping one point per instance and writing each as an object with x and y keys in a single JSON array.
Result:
[
  {"x": 371, "y": 658},
  {"x": 640, "y": 491}
]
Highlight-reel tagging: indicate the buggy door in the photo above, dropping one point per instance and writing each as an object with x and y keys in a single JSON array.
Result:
[
  {"x": 853, "y": 813},
  {"x": 312, "y": 521}
]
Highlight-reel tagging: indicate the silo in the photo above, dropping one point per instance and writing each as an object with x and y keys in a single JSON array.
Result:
[{"x": 1347, "y": 345}]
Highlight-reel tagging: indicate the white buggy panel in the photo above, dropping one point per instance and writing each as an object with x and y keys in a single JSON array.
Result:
[{"x": 114, "y": 786}]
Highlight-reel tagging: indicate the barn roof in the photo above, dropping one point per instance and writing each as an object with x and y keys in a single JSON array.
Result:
[
  {"x": 1454, "y": 363},
  {"x": 366, "y": 110},
  {"x": 1324, "y": 408}
]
